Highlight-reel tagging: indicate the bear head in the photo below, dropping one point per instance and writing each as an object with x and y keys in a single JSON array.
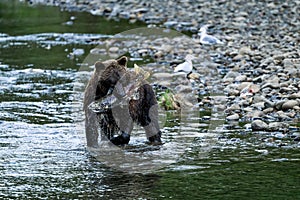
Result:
[
  {"x": 109, "y": 73},
  {"x": 104, "y": 78}
]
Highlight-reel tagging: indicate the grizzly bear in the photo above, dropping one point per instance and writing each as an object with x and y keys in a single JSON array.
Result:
[{"x": 111, "y": 78}]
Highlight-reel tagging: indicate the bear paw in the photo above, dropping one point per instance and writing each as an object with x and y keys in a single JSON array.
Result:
[
  {"x": 121, "y": 139},
  {"x": 155, "y": 139}
]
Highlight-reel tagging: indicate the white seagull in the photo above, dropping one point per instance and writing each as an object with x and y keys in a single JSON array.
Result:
[
  {"x": 187, "y": 66},
  {"x": 207, "y": 39}
]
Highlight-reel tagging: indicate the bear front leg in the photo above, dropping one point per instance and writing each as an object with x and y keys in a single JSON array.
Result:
[
  {"x": 124, "y": 138},
  {"x": 125, "y": 124},
  {"x": 152, "y": 130},
  {"x": 153, "y": 134},
  {"x": 91, "y": 129}
]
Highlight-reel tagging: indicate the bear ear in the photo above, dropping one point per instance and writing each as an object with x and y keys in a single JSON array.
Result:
[
  {"x": 99, "y": 66},
  {"x": 122, "y": 61}
]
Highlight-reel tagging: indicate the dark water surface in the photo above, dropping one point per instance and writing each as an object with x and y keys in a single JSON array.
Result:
[{"x": 42, "y": 155}]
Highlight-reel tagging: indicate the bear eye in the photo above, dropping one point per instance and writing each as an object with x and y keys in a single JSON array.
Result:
[{"x": 136, "y": 95}]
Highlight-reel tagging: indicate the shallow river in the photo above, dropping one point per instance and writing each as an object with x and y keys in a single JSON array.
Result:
[{"x": 42, "y": 145}]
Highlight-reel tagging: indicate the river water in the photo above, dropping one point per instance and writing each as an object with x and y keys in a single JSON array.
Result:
[{"x": 43, "y": 155}]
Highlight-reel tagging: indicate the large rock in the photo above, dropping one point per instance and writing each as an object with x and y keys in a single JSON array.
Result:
[
  {"x": 289, "y": 104},
  {"x": 259, "y": 125}
]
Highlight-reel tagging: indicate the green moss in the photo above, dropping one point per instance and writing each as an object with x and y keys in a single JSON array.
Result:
[{"x": 167, "y": 100}]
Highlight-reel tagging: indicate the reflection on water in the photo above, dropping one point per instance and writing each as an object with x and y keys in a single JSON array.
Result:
[{"x": 42, "y": 155}]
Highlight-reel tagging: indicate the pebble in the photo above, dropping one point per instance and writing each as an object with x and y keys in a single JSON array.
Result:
[
  {"x": 183, "y": 89},
  {"x": 78, "y": 52},
  {"x": 98, "y": 51},
  {"x": 278, "y": 126},
  {"x": 233, "y": 117},
  {"x": 113, "y": 49},
  {"x": 162, "y": 76},
  {"x": 254, "y": 114},
  {"x": 234, "y": 107},
  {"x": 158, "y": 54},
  {"x": 241, "y": 78},
  {"x": 259, "y": 105},
  {"x": 295, "y": 96},
  {"x": 279, "y": 135},
  {"x": 268, "y": 110}
]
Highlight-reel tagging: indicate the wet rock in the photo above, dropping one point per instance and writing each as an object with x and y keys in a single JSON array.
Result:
[{"x": 259, "y": 125}]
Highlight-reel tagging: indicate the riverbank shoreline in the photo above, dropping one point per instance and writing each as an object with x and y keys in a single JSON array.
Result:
[{"x": 261, "y": 51}]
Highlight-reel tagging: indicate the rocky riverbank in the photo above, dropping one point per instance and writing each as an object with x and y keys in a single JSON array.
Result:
[{"x": 257, "y": 67}]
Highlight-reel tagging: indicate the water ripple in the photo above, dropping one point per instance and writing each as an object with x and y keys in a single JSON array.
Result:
[{"x": 54, "y": 38}]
